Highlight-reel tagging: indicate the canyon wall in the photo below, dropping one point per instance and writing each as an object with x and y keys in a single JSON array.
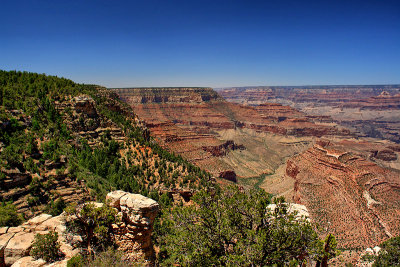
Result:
[
  {"x": 367, "y": 110},
  {"x": 347, "y": 194},
  {"x": 349, "y": 183},
  {"x": 195, "y": 123}
]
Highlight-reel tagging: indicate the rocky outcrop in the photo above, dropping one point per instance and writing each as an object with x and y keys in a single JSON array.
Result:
[
  {"x": 132, "y": 234},
  {"x": 384, "y": 101},
  {"x": 84, "y": 120},
  {"x": 228, "y": 175},
  {"x": 329, "y": 94},
  {"x": 60, "y": 186},
  {"x": 223, "y": 149},
  {"x": 17, "y": 241},
  {"x": 15, "y": 178},
  {"x": 386, "y": 155},
  {"x": 81, "y": 115},
  {"x": 298, "y": 210}
]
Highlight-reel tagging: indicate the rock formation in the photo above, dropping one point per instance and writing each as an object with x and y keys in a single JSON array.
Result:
[
  {"x": 188, "y": 121},
  {"x": 347, "y": 194},
  {"x": 329, "y": 94},
  {"x": 369, "y": 110},
  {"x": 132, "y": 234},
  {"x": 223, "y": 149},
  {"x": 228, "y": 175},
  {"x": 300, "y": 211},
  {"x": 17, "y": 241}
]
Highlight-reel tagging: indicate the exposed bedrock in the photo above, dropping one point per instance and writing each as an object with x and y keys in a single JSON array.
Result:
[
  {"x": 386, "y": 155},
  {"x": 132, "y": 234},
  {"x": 347, "y": 194},
  {"x": 223, "y": 149},
  {"x": 188, "y": 121},
  {"x": 368, "y": 110},
  {"x": 228, "y": 175}
]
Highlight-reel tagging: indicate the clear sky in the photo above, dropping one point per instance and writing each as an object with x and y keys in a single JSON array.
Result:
[{"x": 214, "y": 43}]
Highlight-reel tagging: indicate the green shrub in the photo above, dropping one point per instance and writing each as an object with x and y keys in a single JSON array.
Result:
[
  {"x": 76, "y": 261},
  {"x": 55, "y": 208},
  {"x": 9, "y": 215},
  {"x": 107, "y": 258},
  {"x": 390, "y": 253},
  {"x": 93, "y": 223},
  {"x": 232, "y": 228},
  {"x": 46, "y": 247}
]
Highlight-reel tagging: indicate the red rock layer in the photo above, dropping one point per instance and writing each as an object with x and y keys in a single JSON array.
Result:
[
  {"x": 384, "y": 101},
  {"x": 218, "y": 114},
  {"x": 330, "y": 95},
  {"x": 185, "y": 120},
  {"x": 347, "y": 194}
]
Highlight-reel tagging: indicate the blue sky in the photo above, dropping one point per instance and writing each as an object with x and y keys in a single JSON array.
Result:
[{"x": 204, "y": 43}]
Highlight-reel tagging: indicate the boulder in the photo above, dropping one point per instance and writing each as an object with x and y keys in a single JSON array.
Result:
[
  {"x": 28, "y": 262},
  {"x": 68, "y": 250},
  {"x": 18, "y": 247}
]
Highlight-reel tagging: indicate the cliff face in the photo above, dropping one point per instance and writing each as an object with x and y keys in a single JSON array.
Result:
[
  {"x": 384, "y": 101},
  {"x": 369, "y": 111},
  {"x": 328, "y": 94},
  {"x": 192, "y": 122},
  {"x": 347, "y": 194},
  {"x": 166, "y": 95}
]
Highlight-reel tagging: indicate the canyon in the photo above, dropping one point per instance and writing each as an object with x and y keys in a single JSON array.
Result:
[
  {"x": 367, "y": 110},
  {"x": 311, "y": 145},
  {"x": 198, "y": 124}
]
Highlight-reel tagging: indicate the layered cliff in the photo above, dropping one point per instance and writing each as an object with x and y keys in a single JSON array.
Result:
[
  {"x": 368, "y": 110},
  {"x": 347, "y": 194},
  {"x": 328, "y": 94},
  {"x": 167, "y": 95},
  {"x": 195, "y": 122}
]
